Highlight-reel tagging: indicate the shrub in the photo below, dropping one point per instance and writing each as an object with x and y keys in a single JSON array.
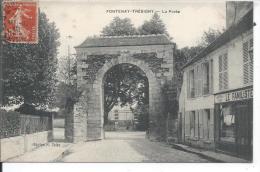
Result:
[{"x": 10, "y": 124}]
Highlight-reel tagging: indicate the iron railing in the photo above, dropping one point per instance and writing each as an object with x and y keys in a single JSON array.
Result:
[{"x": 15, "y": 124}]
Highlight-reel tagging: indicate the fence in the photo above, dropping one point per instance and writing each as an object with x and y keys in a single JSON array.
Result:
[{"x": 16, "y": 124}]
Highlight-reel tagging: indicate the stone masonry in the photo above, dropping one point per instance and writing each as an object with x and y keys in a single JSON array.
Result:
[{"x": 153, "y": 54}]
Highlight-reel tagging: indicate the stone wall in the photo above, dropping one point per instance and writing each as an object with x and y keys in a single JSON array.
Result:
[
  {"x": 15, "y": 146},
  {"x": 156, "y": 61}
]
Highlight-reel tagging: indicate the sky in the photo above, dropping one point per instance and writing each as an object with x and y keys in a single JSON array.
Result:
[{"x": 81, "y": 19}]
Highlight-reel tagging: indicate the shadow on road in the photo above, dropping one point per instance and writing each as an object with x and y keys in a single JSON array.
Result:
[
  {"x": 155, "y": 151},
  {"x": 126, "y": 135}
]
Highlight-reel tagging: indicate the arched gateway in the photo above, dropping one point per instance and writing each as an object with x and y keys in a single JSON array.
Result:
[{"x": 95, "y": 56}]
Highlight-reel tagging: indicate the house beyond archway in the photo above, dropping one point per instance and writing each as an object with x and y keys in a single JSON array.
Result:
[
  {"x": 153, "y": 54},
  {"x": 126, "y": 99}
]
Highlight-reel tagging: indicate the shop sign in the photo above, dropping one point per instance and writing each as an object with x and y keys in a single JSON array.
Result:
[{"x": 234, "y": 96}]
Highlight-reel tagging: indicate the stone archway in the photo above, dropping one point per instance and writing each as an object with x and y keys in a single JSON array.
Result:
[
  {"x": 154, "y": 58},
  {"x": 154, "y": 91}
]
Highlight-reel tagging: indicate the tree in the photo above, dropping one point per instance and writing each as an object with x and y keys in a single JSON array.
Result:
[
  {"x": 190, "y": 52},
  {"x": 154, "y": 26},
  {"x": 67, "y": 69},
  {"x": 67, "y": 93},
  {"x": 30, "y": 69},
  {"x": 141, "y": 112},
  {"x": 209, "y": 36},
  {"x": 119, "y": 27},
  {"x": 186, "y": 54},
  {"x": 125, "y": 84}
]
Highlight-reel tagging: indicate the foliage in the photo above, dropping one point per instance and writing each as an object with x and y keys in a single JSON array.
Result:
[
  {"x": 209, "y": 36},
  {"x": 67, "y": 69},
  {"x": 110, "y": 126},
  {"x": 30, "y": 69},
  {"x": 119, "y": 27},
  {"x": 142, "y": 114},
  {"x": 154, "y": 26},
  {"x": 190, "y": 52},
  {"x": 67, "y": 93},
  {"x": 16, "y": 124},
  {"x": 125, "y": 84},
  {"x": 28, "y": 109},
  {"x": 122, "y": 87},
  {"x": 169, "y": 100},
  {"x": 187, "y": 53},
  {"x": 10, "y": 123},
  {"x": 182, "y": 56}
]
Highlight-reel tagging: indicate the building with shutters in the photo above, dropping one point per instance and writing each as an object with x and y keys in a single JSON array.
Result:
[
  {"x": 216, "y": 100},
  {"x": 121, "y": 118},
  {"x": 119, "y": 113}
]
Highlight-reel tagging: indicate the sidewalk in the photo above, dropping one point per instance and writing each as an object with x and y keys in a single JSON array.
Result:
[
  {"x": 55, "y": 151},
  {"x": 213, "y": 156},
  {"x": 49, "y": 153}
]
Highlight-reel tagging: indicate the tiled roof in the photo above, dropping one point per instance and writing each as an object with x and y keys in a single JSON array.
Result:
[
  {"x": 132, "y": 40},
  {"x": 245, "y": 24}
]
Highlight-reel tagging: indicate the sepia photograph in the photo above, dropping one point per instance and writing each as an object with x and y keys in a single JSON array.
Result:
[{"x": 126, "y": 81}]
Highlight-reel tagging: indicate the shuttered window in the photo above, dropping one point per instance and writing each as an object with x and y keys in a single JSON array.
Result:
[
  {"x": 206, "y": 124},
  {"x": 187, "y": 124},
  {"x": 223, "y": 71},
  {"x": 201, "y": 121},
  {"x": 199, "y": 80},
  {"x": 192, "y": 123},
  {"x": 211, "y": 124},
  {"x": 248, "y": 61},
  {"x": 206, "y": 78},
  {"x": 191, "y": 84},
  {"x": 197, "y": 124},
  {"x": 197, "y": 77}
]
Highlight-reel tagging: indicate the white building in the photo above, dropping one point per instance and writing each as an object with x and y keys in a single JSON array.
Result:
[
  {"x": 119, "y": 113},
  {"x": 216, "y": 100},
  {"x": 120, "y": 118}
]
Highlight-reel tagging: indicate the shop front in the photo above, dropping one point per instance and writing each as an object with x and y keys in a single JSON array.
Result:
[{"x": 234, "y": 122}]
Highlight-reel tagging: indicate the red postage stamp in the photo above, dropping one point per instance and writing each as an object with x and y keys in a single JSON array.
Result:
[{"x": 20, "y": 21}]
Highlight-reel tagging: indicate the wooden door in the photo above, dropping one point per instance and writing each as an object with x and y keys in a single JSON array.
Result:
[{"x": 244, "y": 129}]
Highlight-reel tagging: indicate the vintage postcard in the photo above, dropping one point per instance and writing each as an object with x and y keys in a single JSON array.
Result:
[{"x": 127, "y": 81}]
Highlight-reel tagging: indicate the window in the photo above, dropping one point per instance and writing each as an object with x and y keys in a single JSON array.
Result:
[
  {"x": 197, "y": 81},
  {"x": 206, "y": 78},
  {"x": 116, "y": 114},
  {"x": 248, "y": 61},
  {"x": 200, "y": 122},
  {"x": 191, "y": 84},
  {"x": 84, "y": 69},
  {"x": 227, "y": 124},
  {"x": 223, "y": 71},
  {"x": 192, "y": 123},
  {"x": 207, "y": 123}
]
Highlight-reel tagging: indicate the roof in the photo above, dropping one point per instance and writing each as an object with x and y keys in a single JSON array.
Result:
[
  {"x": 131, "y": 40},
  {"x": 245, "y": 24}
]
